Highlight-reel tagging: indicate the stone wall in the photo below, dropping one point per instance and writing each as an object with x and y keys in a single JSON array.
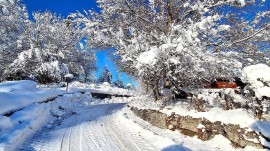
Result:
[{"x": 188, "y": 125}]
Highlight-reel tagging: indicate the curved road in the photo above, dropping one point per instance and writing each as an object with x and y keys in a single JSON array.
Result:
[
  {"x": 112, "y": 127},
  {"x": 93, "y": 128}
]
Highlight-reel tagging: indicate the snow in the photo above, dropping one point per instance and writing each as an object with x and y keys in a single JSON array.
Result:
[
  {"x": 108, "y": 126},
  {"x": 10, "y": 86},
  {"x": 99, "y": 88},
  {"x": 69, "y": 76},
  {"x": 129, "y": 86},
  {"x": 257, "y": 76},
  {"x": 200, "y": 126},
  {"x": 174, "y": 60},
  {"x": 5, "y": 123},
  {"x": 76, "y": 121},
  {"x": 263, "y": 91},
  {"x": 148, "y": 57},
  {"x": 262, "y": 126},
  {"x": 224, "y": 27},
  {"x": 217, "y": 114},
  {"x": 173, "y": 140},
  {"x": 186, "y": 4},
  {"x": 18, "y": 94},
  {"x": 182, "y": 108},
  {"x": 242, "y": 2},
  {"x": 54, "y": 69},
  {"x": 22, "y": 124}
]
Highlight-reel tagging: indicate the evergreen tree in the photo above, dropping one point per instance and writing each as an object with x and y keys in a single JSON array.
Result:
[{"x": 107, "y": 75}]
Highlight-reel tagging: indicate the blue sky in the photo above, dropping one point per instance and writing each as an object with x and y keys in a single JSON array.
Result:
[
  {"x": 63, "y": 8},
  {"x": 103, "y": 60}
]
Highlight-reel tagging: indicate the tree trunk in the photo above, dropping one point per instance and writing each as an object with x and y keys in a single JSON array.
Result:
[
  {"x": 156, "y": 91},
  {"x": 85, "y": 77},
  {"x": 170, "y": 15},
  {"x": 259, "y": 109}
]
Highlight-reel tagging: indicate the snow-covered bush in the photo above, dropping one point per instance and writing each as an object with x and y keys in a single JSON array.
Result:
[
  {"x": 258, "y": 79},
  {"x": 226, "y": 99},
  {"x": 50, "y": 72},
  {"x": 38, "y": 65}
]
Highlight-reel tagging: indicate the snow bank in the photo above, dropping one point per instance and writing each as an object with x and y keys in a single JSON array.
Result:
[
  {"x": 258, "y": 76},
  {"x": 17, "y": 85},
  {"x": 105, "y": 88},
  {"x": 14, "y": 130},
  {"x": 5, "y": 123},
  {"x": 216, "y": 114},
  {"x": 22, "y": 124},
  {"x": 18, "y": 94}
]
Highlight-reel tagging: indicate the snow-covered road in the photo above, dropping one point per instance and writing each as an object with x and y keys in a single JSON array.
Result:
[
  {"x": 113, "y": 127},
  {"x": 97, "y": 127}
]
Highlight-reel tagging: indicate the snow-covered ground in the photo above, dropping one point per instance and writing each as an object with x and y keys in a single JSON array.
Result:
[
  {"x": 76, "y": 121},
  {"x": 15, "y": 95},
  {"x": 105, "y": 87},
  {"x": 24, "y": 109},
  {"x": 110, "y": 126}
]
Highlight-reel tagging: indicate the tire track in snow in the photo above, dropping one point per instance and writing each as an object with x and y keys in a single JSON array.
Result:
[
  {"x": 124, "y": 143},
  {"x": 92, "y": 128},
  {"x": 136, "y": 138},
  {"x": 125, "y": 135},
  {"x": 66, "y": 139}
]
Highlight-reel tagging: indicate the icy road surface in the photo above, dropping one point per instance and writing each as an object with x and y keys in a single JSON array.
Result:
[{"x": 112, "y": 127}]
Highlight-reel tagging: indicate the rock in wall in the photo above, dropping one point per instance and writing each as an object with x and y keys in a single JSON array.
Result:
[{"x": 187, "y": 125}]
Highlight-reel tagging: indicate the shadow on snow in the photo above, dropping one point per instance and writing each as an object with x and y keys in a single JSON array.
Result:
[
  {"x": 175, "y": 148},
  {"x": 86, "y": 115}
]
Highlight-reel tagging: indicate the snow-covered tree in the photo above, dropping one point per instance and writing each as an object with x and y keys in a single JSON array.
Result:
[
  {"x": 54, "y": 50},
  {"x": 84, "y": 62},
  {"x": 119, "y": 83},
  {"x": 13, "y": 22},
  {"x": 257, "y": 78},
  {"x": 164, "y": 40},
  {"x": 248, "y": 37},
  {"x": 106, "y": 76}
]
